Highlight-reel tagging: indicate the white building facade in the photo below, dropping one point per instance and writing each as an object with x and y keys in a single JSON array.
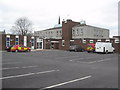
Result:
[
  {"x": 87, "y": 31},
  {"x": 52, "y": 33}
]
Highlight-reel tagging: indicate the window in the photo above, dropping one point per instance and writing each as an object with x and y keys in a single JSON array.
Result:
[
  {"x": 32, "y": 42},
  {"x": 57, "y": 34},
  {"x": 77, "y": 32},
  {"x": 98, "y": 40},
  {"x": 71, "y": 43},
  {"x": 63, "y": 42},
  {"x": 73, "y": 32},
  {"x": 81, "y": 31},
  {"x": 117, "y": 41},
  {"x": 84, "y": 41},
  {"x": 17, "y": 41},
  {"x": 91, "y": 41},
  {"x": 107, "y": 40},
  {"x": 7, "y": 41}
]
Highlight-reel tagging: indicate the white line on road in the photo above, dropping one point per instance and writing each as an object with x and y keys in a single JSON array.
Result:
[
  {"x": 81, "y": 59},
  {"x": 12, "y": 63},
  {"x": 75, "y": 59},
  {"x": 100, "y": 60},
  {"x": 23, "y": 75},
  {"x": 66, "y": 57},
  {"x": 67, "y": 82},
  {"x": 19, "y": 67}
]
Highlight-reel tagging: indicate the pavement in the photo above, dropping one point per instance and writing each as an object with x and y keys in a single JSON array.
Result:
[{"x": 59, "y": 69}]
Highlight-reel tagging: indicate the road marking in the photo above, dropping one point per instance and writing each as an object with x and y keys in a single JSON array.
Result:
[
  {"x": 28, "y": 74},
  {"x": 76, "y": 59},
  {"x": 12, "y": 63},
  {"x": 66, "y": 57},
  {"x": 60, "y": 84},
  {"x": 81, "y": 59},
  {"x": 18, "y": 67},
  {"x": 100, "y": 61}
]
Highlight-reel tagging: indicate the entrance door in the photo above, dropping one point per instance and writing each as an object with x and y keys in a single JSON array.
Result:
[
  {"x": 39, "y": 45},
  {"x": 52, "y": 46}
]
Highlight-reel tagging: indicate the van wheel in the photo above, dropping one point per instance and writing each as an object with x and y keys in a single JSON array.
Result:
[
  {"x": 106, "y": 52},
  {"x": 16, "y": 50},
  {"x": 113, "y": 51}
]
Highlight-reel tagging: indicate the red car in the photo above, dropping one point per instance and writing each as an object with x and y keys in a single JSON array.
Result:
[
  {"x": 19, "y": 48},
  {"x": 91, "y": 47}
]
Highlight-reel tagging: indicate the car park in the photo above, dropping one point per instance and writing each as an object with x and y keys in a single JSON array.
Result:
[
  {"x": 20, "y": 48},
  {"x": 76, "y": 48},
  {"x": 90, "y": 47}
]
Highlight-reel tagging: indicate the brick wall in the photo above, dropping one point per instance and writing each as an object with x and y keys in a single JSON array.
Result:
[
  {"x": 0, "y": 42},
  {"x": 67, "y": 33},
  {"x": 13, "y": 38},
  {"x": 3, "y": 41}
]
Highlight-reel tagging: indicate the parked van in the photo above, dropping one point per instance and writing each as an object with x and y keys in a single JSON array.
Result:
[
  {"x": 104, "y": 47},
  {"x": 90, "y": 47}
]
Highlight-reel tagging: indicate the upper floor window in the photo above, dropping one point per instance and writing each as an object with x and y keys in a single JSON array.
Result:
[
  {"x": 73, "y": 32},
  {"x": 77, "y": 32},
  {"x": 81, "y": 31}
]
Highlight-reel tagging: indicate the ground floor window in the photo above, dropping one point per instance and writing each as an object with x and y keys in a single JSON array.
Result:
[
  {"x": 7, "y": 41},
  {"x": 71, "y": 43},
  {"x": 84, "y": 41},
  {"x": 32, "y": 42},
  {"x": 63, "y": 42},
  {"x": 17, "y": 41},
  {"x": 39, "y": 45}
]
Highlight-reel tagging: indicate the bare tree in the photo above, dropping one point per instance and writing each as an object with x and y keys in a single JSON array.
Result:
[{"x": 22, "y": 27}]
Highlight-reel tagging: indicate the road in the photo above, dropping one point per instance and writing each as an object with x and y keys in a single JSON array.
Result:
[{"x": 59, "y": 69}]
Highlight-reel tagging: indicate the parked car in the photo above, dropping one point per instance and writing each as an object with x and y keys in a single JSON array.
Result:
[
  {"x": 104, "y": 47},
  {"x": 76, "y": 48},
  {"x": 20, "y": 48},
  {"x": 90, "y": 47},
  {"x": 9, "y": 48}
]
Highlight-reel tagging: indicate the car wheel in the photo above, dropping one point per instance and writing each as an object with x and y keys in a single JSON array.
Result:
[
  {"x": 28, "y": 50},
  {"x": 88, "y": 51},
  {"x": 16, "y": 50},
  {"x": 75, "y": 50},
  {"x": 82, "y": 50}
]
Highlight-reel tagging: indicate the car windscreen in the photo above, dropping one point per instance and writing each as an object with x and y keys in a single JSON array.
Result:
[
  {"x": 73, "y": 46},
  {"x": 89, "y": 45}
]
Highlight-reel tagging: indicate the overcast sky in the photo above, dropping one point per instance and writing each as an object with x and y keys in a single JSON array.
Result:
[{"x": 44, "y": 13}]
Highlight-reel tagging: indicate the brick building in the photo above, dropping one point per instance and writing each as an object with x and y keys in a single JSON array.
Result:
[
  {"x": 67, "y": 38},
  {"x": 61, "y": 37},
  {"x": 9, "y": 39}
]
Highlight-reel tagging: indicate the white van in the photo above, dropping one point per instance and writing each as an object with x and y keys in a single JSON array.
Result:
[{"x": 104, "y": 47}]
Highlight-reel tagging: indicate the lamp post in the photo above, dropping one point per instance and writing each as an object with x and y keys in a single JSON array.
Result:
[{"x": 45, "y": 42}]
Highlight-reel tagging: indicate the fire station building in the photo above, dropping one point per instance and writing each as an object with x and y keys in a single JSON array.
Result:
[
  {"x": 74, "y": 33},
  {"x": 61, "y": 36}
]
